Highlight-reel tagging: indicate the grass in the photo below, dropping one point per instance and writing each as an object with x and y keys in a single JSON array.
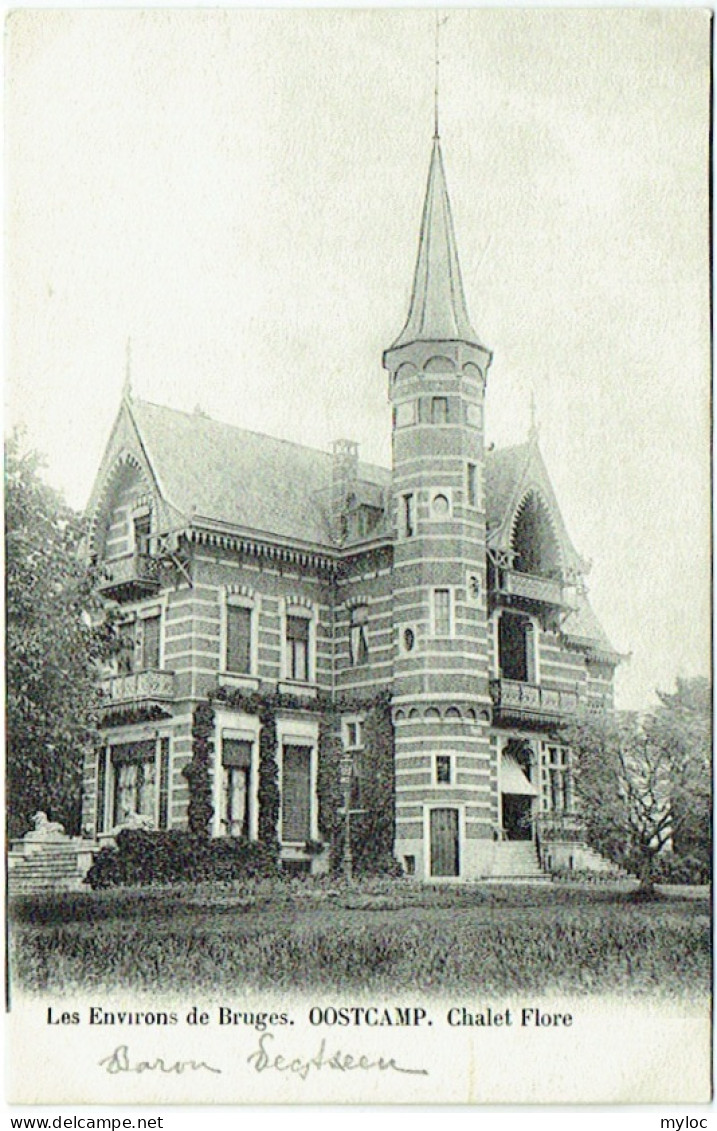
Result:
[{"x": 381, "y": 935}]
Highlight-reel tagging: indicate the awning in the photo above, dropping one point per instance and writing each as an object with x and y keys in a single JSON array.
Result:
[{"x": 513, "y": 779}]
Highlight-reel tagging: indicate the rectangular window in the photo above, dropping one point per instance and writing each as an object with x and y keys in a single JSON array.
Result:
[
  {"x": 135, "y": 780},
  {"x": 516, "y": 648},
  {"x": 353, "y": 734},
  {"x": 442, "y": 625},
  {"x": 439, "y": 410},
  {"x": 142, "y": 525},
  {"x": 126, "y": 635},
  {"x": 164, "y": 783},
  {"x": 409, "y": 516},
  {"x": 236, "y": 766},
  {"x": 359, "y": 639},
  {"x": 238, "y": 658},
  {"x": 150, "y": 642},
  {"x": 560, "y": 783},
  {"x": 296, "y": 794},
  {"x": 101, "y": 784},
  {"x": 443, "y": 769},
  {"x": 297, "y": 648},
  {"x": 472, "y": 485}
]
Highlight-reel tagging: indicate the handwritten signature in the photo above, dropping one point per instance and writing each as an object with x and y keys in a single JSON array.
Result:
[
  {"x": 119, "y": 1061},
  {"x": 263, "y": 1060}
]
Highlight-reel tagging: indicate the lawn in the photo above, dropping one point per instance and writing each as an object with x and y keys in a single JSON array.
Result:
[{"x": 380, "y": 936}]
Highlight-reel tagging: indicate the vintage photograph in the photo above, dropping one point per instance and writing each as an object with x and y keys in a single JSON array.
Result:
[{"x": 358, "y": 634}]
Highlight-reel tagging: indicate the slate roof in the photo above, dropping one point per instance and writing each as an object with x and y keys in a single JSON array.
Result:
[
  {"x": 503, "y": 469},
  {"x": 231, "y": 476},
  {"x": 216, "y": 474},
  {"x": 438, "y": 309},
  {"x": 583, "y": 625}
]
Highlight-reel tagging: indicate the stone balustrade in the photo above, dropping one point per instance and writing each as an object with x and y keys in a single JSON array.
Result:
[
  {"x": 514, "y": 699},
  {"x": 542, "y": 590},
  {"x": 136, "y": 686}
]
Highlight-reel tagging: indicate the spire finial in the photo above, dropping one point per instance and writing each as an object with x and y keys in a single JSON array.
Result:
[
  {"x": 127, "y": 386},
  {"x": 439, "y": 22},
  {"x": 534, "y": 429}
]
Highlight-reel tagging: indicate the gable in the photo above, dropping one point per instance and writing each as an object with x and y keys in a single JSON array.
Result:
[
  {"x": 215, "y": 474},
  {"x": 516, "y": 477},
  {"x": 125, "y": 483}
]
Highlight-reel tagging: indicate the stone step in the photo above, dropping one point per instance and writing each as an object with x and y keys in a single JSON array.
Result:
[
  {"x": 517, "y": 860},
  {"x": 47, "y": 867}
]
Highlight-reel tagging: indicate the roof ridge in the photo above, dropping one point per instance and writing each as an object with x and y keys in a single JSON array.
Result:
[{"x": 136, "y": 401}]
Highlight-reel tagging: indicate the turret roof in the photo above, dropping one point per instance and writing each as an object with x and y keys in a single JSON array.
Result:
[{"x": 438, "y": 309}]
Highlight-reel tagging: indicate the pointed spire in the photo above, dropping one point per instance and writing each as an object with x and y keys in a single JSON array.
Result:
[{"x": 438, "y": 306}]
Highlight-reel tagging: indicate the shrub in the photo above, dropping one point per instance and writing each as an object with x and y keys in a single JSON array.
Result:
[
  {"x": 585, "y": 876},
  {"x": 673, "y": 869},
  {"x": 145, "y": 857},
  {"x": 382, "y": 864}
]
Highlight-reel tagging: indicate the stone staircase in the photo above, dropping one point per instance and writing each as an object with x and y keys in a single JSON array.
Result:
[
  {"x": 49, "y": 867},
  {"x": 517, "y": 860},
  {"x": 577, "y": 856}
]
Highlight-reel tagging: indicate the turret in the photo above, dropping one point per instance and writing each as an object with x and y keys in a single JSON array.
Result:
[{"x": 437, "y": 371}]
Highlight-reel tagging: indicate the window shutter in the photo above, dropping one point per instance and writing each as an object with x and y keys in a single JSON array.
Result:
[
  {"x": 296, "y": 794},
  {"x": 238, "y": 639}
]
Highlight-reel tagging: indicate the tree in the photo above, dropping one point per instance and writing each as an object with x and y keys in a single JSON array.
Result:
[
  {"x": 685, "y": 719},
  {"x": 643, "y": 780},
  {"x": 55, "y": 639}
]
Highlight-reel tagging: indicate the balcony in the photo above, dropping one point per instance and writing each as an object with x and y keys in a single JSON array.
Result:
[
  {"x": 136, "y": 688},
  {"x": 527, "y": 590},
  {"x": 530, "y": 704},
  {"x": 129, "y": 578}
]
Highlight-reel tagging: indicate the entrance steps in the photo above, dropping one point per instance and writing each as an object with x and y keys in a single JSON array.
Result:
[
  {"x": 517, "y": 860},
  {"x": 49, "y": 867}
]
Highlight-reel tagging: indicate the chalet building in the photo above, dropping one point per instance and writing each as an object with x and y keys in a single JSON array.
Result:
[{"x": 321, "y": 605}]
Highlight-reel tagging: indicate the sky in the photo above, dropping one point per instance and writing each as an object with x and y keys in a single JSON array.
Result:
[{"x": 239, "y": 193}]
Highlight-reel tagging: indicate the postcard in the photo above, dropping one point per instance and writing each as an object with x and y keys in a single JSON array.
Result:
[{"x": 358, "y": 552}]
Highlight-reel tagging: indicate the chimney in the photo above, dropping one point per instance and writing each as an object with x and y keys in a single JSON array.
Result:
[{"x": 344, "y": 473}]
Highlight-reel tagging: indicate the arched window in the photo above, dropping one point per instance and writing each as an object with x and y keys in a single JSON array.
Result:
[{"x": 533, "y": 540}]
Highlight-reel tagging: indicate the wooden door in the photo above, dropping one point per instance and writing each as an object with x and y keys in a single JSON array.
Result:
[{"x": 444, "y": 842}]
